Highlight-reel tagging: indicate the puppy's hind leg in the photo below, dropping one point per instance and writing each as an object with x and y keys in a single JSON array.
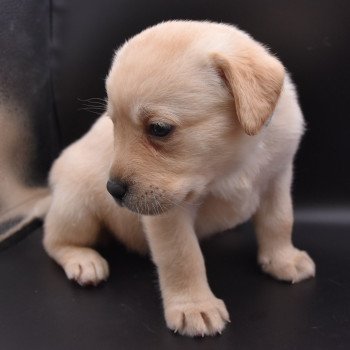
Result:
[{"x": 70, "y": 231}]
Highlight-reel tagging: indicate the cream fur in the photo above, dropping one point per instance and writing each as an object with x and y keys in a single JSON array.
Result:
[{"x": 217, "y": 86}]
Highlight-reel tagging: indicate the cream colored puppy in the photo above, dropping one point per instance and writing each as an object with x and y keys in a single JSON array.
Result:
[{"x": 186, "y": 146}]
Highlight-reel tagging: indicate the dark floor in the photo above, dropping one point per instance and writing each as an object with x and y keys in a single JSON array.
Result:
[{"x": 41, "y": 309}]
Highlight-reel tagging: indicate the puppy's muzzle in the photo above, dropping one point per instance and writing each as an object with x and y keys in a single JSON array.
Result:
[{"x": 118, "y": 189}]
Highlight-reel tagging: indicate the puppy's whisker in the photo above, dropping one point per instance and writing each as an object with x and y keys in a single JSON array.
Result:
[
  {"x": 93, "y": 102},
  {"x": 93, "y": 105},
  {"x": 182, "y": 206},
  {"x": 157, "y": 205},
  {"x": 144, "y": 203},
  {"x": 97, "y": 112},
  {"x": 93, "y": 99},
  {"x": 169, "y": 201},
  {"x": 138, "y": 211}
]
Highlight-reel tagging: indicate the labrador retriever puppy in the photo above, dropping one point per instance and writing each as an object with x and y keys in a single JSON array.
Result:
[{"x": 199, "y": 135}]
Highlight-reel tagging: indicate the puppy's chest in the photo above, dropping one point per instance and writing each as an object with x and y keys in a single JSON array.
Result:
[{"x": 231, "y": 202}]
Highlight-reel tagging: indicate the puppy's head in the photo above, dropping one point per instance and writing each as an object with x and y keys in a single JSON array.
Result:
[{"x": 184, "y": 96}]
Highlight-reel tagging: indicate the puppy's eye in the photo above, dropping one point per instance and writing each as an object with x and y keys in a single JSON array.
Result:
[{"x": 160, "y": 129}]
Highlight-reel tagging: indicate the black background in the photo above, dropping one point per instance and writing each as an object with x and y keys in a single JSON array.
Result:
[{"x": 56, "y": 54}]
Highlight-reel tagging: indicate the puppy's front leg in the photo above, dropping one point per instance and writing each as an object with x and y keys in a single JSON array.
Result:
[
  {"x": 274, "y": 220},
  {"x": 190, "y": 306}
]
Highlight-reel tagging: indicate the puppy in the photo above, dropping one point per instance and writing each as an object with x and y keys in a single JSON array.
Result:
[{"x": 201, "y": 127}]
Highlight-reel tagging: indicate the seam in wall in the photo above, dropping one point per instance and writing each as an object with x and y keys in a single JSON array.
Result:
[{"x": 52, "y": 54}]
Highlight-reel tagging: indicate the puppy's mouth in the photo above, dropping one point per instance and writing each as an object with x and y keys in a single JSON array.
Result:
[
  {"x": 146, "y": 200},
  {"x": 147, "y": 204},
  {"x": 151, "y": 200},
  {"x": 145, "y": 207}
]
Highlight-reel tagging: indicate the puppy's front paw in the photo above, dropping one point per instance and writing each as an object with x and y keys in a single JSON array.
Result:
[
  {"x": 87, "y": 267},
  {"x": 289, "y": 264},
  {"x": 197, "y": 318}
]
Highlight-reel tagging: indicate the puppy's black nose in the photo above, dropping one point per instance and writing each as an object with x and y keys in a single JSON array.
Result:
[{"x": 117, "y": 189}]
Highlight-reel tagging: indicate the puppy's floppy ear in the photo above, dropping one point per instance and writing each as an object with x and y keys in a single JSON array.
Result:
[{"x": 255, "y": 79}]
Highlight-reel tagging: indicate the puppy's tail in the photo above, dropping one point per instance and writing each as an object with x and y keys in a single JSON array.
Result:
[{"x": 19, "y": 221}]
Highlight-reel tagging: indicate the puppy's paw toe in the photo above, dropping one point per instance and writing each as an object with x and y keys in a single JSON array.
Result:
[
  {"x": 207, "y": 317},
  {"x": 291, "y": 265},
  {"x": 87, "y": 268}
]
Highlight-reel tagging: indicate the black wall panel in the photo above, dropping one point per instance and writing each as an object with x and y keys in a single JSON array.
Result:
[{"x": 311, "y": 38}]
